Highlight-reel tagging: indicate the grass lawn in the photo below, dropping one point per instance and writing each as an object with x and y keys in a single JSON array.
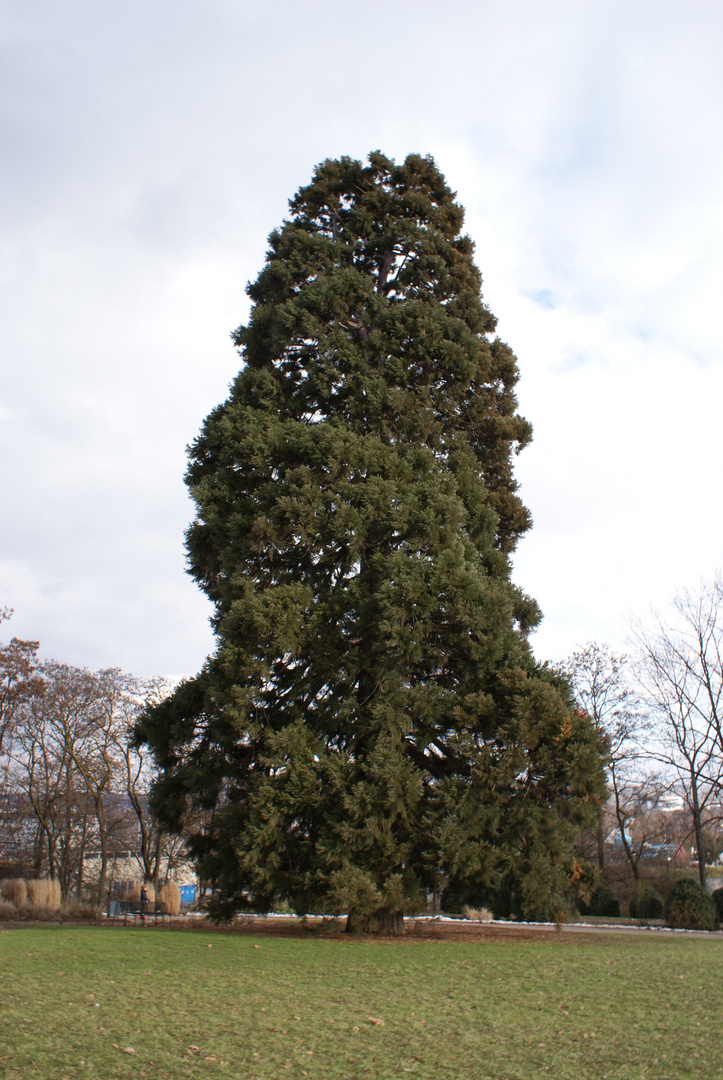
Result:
[{"x": 108, "y": 1002}]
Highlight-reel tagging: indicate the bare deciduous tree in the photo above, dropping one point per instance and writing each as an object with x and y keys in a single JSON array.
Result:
[
  {"x": 136, "y": 774},
  {"x": 19, "y": 681},
  {"x": 72, "y": 769},
  {"x": 681, "y": 668},
  {"x": 603, "y": 690},
  {"x": 42, "y": 769}
]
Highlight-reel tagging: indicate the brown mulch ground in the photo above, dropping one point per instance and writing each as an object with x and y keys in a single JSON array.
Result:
[
  {"x": 330, "y": 928},
  {"x": 426, "y": 930}
]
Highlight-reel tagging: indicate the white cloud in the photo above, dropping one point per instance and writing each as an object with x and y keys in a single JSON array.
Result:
[{"x": 153, "y": 147}]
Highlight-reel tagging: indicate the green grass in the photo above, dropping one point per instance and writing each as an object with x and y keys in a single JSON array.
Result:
[{"x": 75, "y": 1001}]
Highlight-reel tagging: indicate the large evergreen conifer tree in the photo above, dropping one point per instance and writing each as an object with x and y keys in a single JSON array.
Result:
[{"x": 372, "y": 725}]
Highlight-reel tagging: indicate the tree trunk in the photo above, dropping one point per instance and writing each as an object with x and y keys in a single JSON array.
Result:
[
  {"x": 382, "y": 921},
  {"x": 102, "y": 880},
  {"x": 52, "y": 864},
  {"x": 157, "y": 860},
  {"x": 698, "y": 829},
  {"x": 81, "y": 876},
  {"x": 101, "y": 818},
  {"x": 38, "y": 851},
  {"x": 622, "y": 822}
]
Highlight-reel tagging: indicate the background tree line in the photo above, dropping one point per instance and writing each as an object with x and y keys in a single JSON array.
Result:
[
  {"x": 73, "y": 787},
  {"x": 660, "y": 710}
]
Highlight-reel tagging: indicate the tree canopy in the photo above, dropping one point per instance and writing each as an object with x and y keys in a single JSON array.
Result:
[{"x": 372, "y": 725}]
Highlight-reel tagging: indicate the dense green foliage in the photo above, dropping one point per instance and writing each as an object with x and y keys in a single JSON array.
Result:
[
  {"x": 689, "y": 907},
  {"x": 646, "y": 903},
  {"x": 372, "y": 723},
  {"x": 717, "y": 897},
  {"x": 604, "y": 902}
]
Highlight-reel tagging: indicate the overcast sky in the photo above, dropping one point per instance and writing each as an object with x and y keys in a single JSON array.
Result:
[{"x": 150, "y": 147}]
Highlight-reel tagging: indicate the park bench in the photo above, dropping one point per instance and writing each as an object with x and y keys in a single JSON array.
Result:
[{"x": 136, "y": 911}]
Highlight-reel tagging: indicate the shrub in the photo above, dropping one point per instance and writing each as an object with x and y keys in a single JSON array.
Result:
[
  {"x": 32, "y": 913},
  {"x": 605, "y": 903},
  {"x": 170, "y": 895},
  {"x": 717, "y": 899},
  {"x": 73, "y": 911},
  {"x": 456, "y": 897},
  {"x": 282, "y": 908},
  {"x": 477, "y": 914},
  {"x": 16, "y": 891},
  {"x": 37, "y": 893},
  {"x": 689, "y": 907},
  {"x": 647, "y": 903},
  {"x": 44, "y": 893},
  {"x": 76, "y": 909}
]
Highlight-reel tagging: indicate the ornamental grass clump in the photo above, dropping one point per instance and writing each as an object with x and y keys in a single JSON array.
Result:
[
  {"x": 170, "y": 895},
  {"x": 7, "y": 910},
  {"x": 32, "y": 913},
  {"x": 15, "y": 891},
  {"x": 77, "y": 910},
  {"x": 477, "y": 914},
  {"x": 39, "y": 901},
  {"x": 689, "y": 907},
  {"x": 44, "y": 893}
]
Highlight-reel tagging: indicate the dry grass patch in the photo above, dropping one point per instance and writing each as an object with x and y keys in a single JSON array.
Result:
[
  {"x": 44, "y": 893},
  {"x": 36, "y": 893},
  {"x": 477, "y": 914},
  {"x": 170, "y": 894},
  {"x": 15, "y": 891}
]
